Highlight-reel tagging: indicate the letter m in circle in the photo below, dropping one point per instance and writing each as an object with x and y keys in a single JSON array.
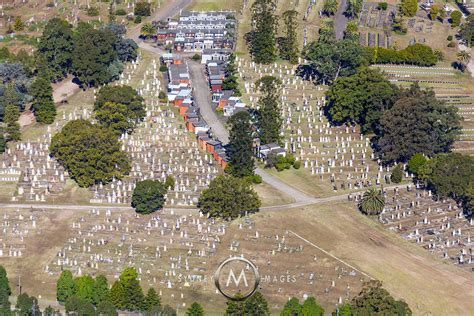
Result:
[{"x": 237, "y": 281}]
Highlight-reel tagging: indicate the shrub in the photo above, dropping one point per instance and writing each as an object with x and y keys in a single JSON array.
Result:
[
  {"x": 162, "y": 95},
  {"x": 142, "y": 9},
  {"x": 450, "y": 38},
  {"x": 93, "y": 11},
  {"x": 452, "y": 44},
  {"x": 163, "y": 68},
  {"x": 456, "y": 18},
  {"x": 138, "y": 19},
  {"x": 196, "y": 57},
  {"x": 120, "y": 12},
  {"x": 297, "y": 164},
  {"x": 280, "y": 166},
  {"x": 397, "y": 174},
  {"x": 257, "y": 179},
  {"x": 382, "y": 6}
]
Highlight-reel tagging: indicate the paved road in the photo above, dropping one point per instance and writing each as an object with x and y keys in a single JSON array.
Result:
[{"x": 340, "y": 20}]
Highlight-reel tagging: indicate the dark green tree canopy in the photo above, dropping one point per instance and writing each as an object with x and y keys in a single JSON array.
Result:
[
  {"x": 261, "y": 39},
  {"x": 240, "y": 149},
  {"x": 43, "y": 105},
  {"x": 125, "y": 95},
  {"x": 148, "y": 196},
  {"x": 269, "y": 118},
  {"x": 90, "y": 153},
  {"x": 195, "y": 310},
  {"x": 360, "y": 98},
  {"x": 228, "y": 197},
  {"x": 65, "y": 287}
]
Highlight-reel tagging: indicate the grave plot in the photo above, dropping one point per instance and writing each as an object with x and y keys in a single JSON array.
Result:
[
  {"x": 438, "y": 226},
  {"x": 15, "y": 226},
  {"x": 159, "y": 147},
  {"x": 169, "y": 250},
  {"x": 333, "y": 158},
  {"x": 289, "y": 266}
]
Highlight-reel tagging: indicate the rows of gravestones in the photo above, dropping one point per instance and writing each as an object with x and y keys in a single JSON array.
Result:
[
  {"x": 338, "y": 154},
  {"x": 439, "y": 226},
  {"x": 41, "y": 178},
  {"x": 15, "y": 227},
  {"x": 159, "y": 147},
  {"x": 288, "y": 267},
  {"x": 168, "y": 250},
  {"x": 372, "y": 17}
]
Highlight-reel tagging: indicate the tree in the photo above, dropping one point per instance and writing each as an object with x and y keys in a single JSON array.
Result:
[
  {"x": 230, "y": 80},
  {"x": 90, "y": 153},
  {"x": 148, "y": 196},
  {"x": 65, "y": 287},
  {"x": 105, "y": 308},
  {"x": 195, "y": 310},
  {"x": 168, "y": 311},
  {"x": 382, "y": 6},
  {"x": 353, "y": 8},
  {"x": 169, "y": 183},
  {"x": 434, "y": 11},
  {"x": 256, "y": 305},
  {"x": 3, "y": 142},
  {"x": 116, "y": 295},
  {"x": 373, "y": 299},
  {"x": 148, "y": 30},
  {"x": 133, "y": 293},
  {"x": 289, "y": 44},
  {"x": 5, "y": 305},
  {"x": 417, "y": 123},
  {"x": 269, "y": 119},
  {"x": 240, "y": 149},
  {"x": 152, "y": 299},
  {"x": 360, "y": 98},
  {"x": 126, "y": 49},
  {"x": 450, "y": 175},
  {"x": 397, "y": 174},
  {"x": 234, "y": 308},
  {"x": 142, "y": 9},
  {"x": 43, "y": 104},
  {"x": 416, "y": 162},
  {"x": 291, "y": 308},
  {"x": 262, "y": 38},
  {"x": 27, "y": 305},
  {"x": 311, "y": 308},
  {"x": 329, "y": 60},
  {"x": 101, "y": 289},
  {"x": 55, "y": 48},
  {"x": 4, "y": 283},
  {"x": 455, "y": 18},
  {"x": 464, "y": 58},
  {"x": 343, "y": 310},
  {"x": 18, "y": 24},
  {"x": 79, "y": 306},
  {"x": 115, "y": 116},
  {"x": 125, "y": 95},
  {"x": 330, "y": 7},
  {"x": 467, "y": 30},
  {"x": 409, "y": 7},
  {"x": 372, "y": 202},
  {"x": 228, "y": 197},
  {"x": 49, "y": 311},
  {"x": 85, "y": 286},
  {"x": 94, "y": 53},
  {"x": 12, "y": 113}
]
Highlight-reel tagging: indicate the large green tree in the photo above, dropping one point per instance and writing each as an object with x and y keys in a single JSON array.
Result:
[
  {"x": 148, "y": 196},
  {"x": 90, "y": 153},
  {"x": 229, "y": 197},
  {"x": 269, "y": 118},
  {"x": 360, "y": 98},
  {"x": 256, "y": 305},
  {"x": 417, "y": 123},
  {"x": 115, "y": 116},
  {"x": 467, "y": 30},
  {"x": 262, "y": 38},
  {"x": 106, "y": 308},
  {"x": 65, "y": 287},
  {"x": 55, "y": 48},
  {"x": 195, "y": 310},
  {"x": 311, "y": 308},
  {"x": 289, "y": 44},
  {"x": 101, "y": 289},
  {"x": 93, "y": 55},
  {"x": 27, "y": 305},
  {"x": 409, "y": 7},
  {"x": 78, "y": 306},
  {"x": 330, "y": 60},
  {"x": 125, "y": 95},
  {"x": 116, "y": 295},
  {"x": 152, "y": 299},
  {"x": 134, "y": 298},
  {"x": 43, "y": 104},
  {"x": 240, "y": 148},
  {"x": 85, "y": 288},
  {"x": 4, "y": 283},
  {"x": 291, "y": 308},
  {"x": 12, "y": 113}
]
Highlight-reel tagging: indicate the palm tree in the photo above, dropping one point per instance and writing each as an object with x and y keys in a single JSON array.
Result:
[
  {"x": 148, "y": 30},
  {"x": 329, "y": 7},
  {"x": 464, "y": 56},
  {"x": 372, "y": 202}
]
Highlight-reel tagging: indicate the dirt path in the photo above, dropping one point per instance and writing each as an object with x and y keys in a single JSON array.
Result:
[{"x": 64, "y": 89}]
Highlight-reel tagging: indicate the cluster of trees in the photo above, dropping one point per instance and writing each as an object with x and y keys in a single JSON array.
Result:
[
  {"x": 93, "y": 56},
  {"x": 416, "y": 54},
  {"x": 142, "y": 8},
  {"x": 264, "y": 45},
  {"x": 448, "y": 175},
  {"x": 405, "y": 121},
  {"x": 409, "y": 7},
  {"x": 119, "y": 108},
  {"x": 148, "y": 196},
  {"x": 330, "y": 7},
  {"x": 467, "y": 30},
  {"x": 353, "y": 8},
  {"x": 85, "y": 295},
  {"x": 282, "y": 162},
  {"x": 309, "y": 307},
  {"x": 231, "y": 81},
  {"x": 89, "y": 152}
]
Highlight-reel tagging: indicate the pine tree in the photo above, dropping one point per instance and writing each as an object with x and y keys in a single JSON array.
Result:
[
  {"x": 292, "y": 307},
  {"x": 65, "y": 287},
  {"x": 311, "y": 308},
  {"x": 234, "y": 308},
  {"x": 101, "y": 289},
  {"x": 397, "y": 174},
  {"x": 262, "y": 41},
  {"x": 116, "y": 295},
  {"x": 12, "y": 114},
  {"x": 43, "y": 105},
  {"x": 256, "y": 305},
  {"x": 4, "y": 283},
  {"x": 5, "y": 305},
  {"x": 241, "y": 145},
  {"x": 3, "y": 142},
  {"x": 195, "y": 310},
  {"x": 134, "y": 298},
  {"x": 85, "y": 288},
  {"x": 289, "y": 50},
  {"x": 269, "y": 119},
  {"x": 152, "y": 299}
]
